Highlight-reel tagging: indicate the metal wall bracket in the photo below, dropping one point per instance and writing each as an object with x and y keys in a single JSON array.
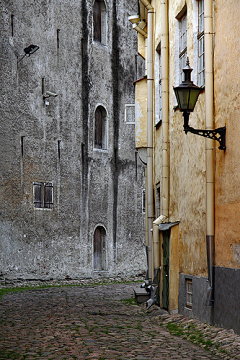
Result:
[{"x": 217, "y": 134}]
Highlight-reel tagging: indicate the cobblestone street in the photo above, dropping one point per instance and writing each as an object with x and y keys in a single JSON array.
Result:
[{"x": 94, "y": 322}]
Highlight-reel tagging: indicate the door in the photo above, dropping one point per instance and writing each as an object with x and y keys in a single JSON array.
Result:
[
  {"x": 97, "y": 249},
  {"x": 165, "y": 245}
]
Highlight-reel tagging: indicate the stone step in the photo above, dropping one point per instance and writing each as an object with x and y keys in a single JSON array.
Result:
[{"x": 141, "y": 295}]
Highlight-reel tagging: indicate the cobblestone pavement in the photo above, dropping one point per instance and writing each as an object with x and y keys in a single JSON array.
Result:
[{"x": 97, "y": 322}]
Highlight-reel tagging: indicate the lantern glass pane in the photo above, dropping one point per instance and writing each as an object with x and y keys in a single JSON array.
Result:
[
  {"x": 193, "y": 98},
  {"x": 183, "y": 98}
]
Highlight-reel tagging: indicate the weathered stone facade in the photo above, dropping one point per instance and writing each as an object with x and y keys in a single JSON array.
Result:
[{"x": 51, "y": 141}]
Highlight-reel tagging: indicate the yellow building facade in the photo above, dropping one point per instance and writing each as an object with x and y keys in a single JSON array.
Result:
[{"x": 192, "y": 230}]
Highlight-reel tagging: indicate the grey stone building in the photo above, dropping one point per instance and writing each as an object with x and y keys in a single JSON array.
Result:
[{"x": 70, "y": 182}]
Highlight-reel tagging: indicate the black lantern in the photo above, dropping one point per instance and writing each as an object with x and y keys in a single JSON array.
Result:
[{"x": 187, "y": 95}]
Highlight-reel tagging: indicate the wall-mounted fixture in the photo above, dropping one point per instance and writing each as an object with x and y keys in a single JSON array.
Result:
[
  {"x": 31, "y": 49},
  {"x": 47, "y": 95},
  {"x": 187, "y": 95},
  {"x": 138, "y": 24}
]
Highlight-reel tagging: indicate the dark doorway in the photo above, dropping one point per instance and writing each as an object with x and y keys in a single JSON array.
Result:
[
  {"x": 165, "y": 293},
  {"x": 99, "y": 256}
]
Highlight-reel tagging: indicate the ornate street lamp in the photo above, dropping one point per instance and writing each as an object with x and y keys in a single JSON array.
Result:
[{"x": 187, "y": 95}]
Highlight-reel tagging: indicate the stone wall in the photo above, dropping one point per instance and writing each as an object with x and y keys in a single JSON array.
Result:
[{"x": 55, "y": 143}]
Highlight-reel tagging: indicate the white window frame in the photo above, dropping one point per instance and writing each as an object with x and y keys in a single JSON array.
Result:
[
  {"x": 126, "y": 115},
  {"x": 158, "y": 86},
  {"x": 201, "y": 50},
  {"x": 182, "y": 45},
  {"x": 179, "y": 55},
  {"x": 189, "y": 294}
]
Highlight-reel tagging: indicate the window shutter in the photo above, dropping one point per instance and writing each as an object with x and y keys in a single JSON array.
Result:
[
  {"x": 98, "y": 128},
  {"x": 48, "y": 195},
  {"x": 37, "y": 193},
  {"x": 97, "y": 21}
]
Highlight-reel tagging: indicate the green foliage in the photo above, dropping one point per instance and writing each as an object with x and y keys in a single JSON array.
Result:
[{"x": 130, "y": 301}]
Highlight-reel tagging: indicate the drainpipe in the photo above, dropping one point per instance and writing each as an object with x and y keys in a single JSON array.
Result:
[
  {"x": 150, "y": 81},
  {"x": 165, "y": 107},
  {"x": 165, "y": 156},
  {"x": 208, "y": 37}
]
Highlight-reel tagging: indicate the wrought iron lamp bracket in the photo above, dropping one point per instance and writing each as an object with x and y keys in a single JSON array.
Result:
[{"x": 218, "y": 134}]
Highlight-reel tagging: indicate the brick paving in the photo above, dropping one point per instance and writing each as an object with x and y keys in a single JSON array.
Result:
[{"x": 96, "y": 322}]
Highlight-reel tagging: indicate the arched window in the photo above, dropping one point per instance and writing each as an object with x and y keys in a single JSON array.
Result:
[
  {"x": 100, "y": 22},
  {"x": 99, "y": 249},
  {"x": 100, "y": 137}
]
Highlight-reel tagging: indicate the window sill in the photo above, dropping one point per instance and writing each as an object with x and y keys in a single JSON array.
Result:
[
  {"x": 43, "y": 209},
  {"x": 101, "y": 150}
]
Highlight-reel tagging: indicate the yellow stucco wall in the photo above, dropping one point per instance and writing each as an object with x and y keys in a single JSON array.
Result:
[
  {"x": 227, "y": 111},
  {"x": 141, "y": 113},
  {"x": 174, "y": 268},
  {"x": 141, "y": 45},
  {"x": 186, "y": 158}
]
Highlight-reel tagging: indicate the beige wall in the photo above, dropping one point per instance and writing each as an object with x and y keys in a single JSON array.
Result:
[
  {"x": 187, "y": 159},
  {"x": 227, "y": 111},
  {"x": 141, "y": 113}
]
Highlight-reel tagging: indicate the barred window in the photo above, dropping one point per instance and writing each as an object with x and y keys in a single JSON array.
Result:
[{"x": 43, "y": 195}]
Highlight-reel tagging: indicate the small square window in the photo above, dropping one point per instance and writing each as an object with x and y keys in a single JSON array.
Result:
[
  {"x": 189, "y": 293},
  {"x": 130, "y": 113},
  {"x": 43, "y": 195}
]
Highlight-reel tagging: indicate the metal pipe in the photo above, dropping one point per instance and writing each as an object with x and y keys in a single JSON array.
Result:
[
  {"x": 147, "y": 4},
  {"x": 208, "y": 37},
  {"x": 150, "y": 81},
  {"x": 138, "y": 29},
  {"x": 165, "y": 108}
]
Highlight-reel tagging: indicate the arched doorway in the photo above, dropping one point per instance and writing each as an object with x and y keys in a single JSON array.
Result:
[{"x": 99, "y": 249}]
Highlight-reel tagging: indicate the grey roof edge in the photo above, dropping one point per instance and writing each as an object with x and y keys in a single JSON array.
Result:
[{"x": 167, "y": 226}]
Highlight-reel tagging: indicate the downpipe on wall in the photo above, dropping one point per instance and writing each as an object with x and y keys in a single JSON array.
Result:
[
  {"x": 208, "y": 35},
  {"x": 150, "y": 80}
]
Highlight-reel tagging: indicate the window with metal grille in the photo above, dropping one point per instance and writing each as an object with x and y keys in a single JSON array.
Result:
[
  {"x": 100, "y": 22},
  {"x": 189, "y": 293},
  {"x": 200, "y": 36},
  {"x": 43, "y": 195},
  {"x": 100, "y": 137},
  {"x": 182, "y": 44}
]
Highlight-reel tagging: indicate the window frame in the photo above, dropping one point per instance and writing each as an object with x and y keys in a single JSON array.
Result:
[
  {"x": 126, "y": 116},
  {"x": 201, "y": 49},
  {"x": 182, "y": 44},
  {"x": 100, "y": 22},
  {"x": 104, "y": 129},
  {"x": 158, "y": 85},
  {"x": 143, "y": 201},
  {"x": 189, "y": 293},
  {"x": 43, "y": 197}
]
